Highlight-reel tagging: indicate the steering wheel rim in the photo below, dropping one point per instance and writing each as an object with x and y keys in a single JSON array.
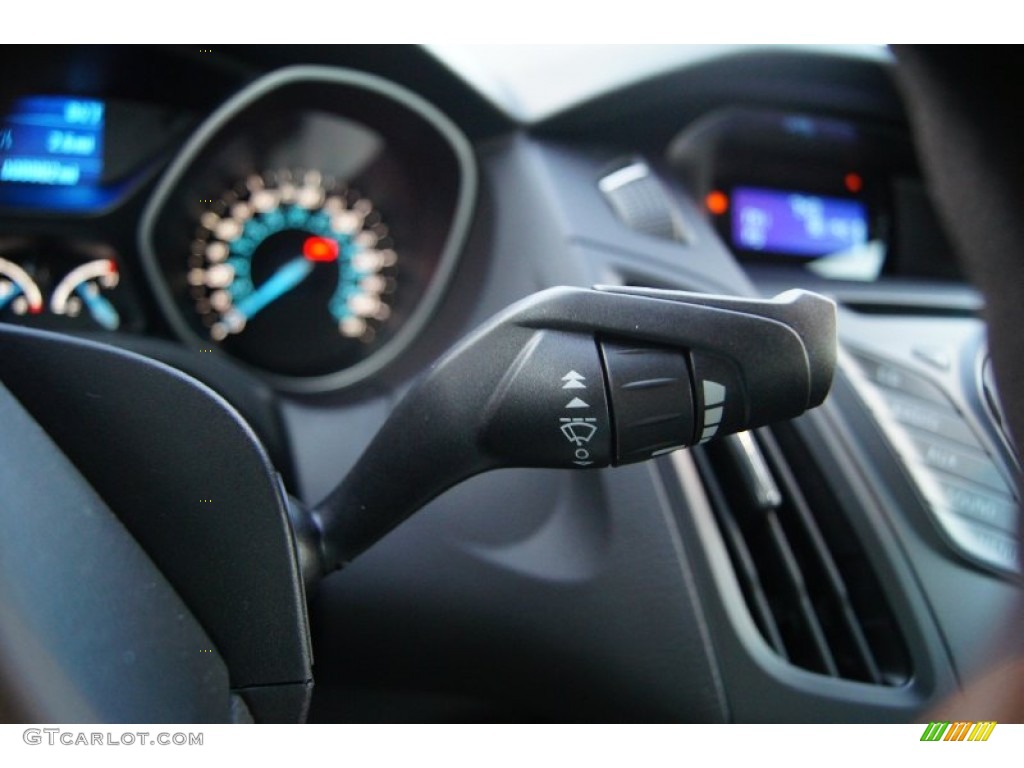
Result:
[{"x": 964, "y": 113}]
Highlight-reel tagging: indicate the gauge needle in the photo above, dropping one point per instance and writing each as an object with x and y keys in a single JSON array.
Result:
[
  {"x": 8, "y": 294},
  {"x": 100, "y": 308},
  {"x": 282, "y": 281}
]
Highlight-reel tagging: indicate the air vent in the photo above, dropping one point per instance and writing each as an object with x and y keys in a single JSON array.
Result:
[
  {"x": 641, "y": 202},
  {"x": 807, "y": 582}
]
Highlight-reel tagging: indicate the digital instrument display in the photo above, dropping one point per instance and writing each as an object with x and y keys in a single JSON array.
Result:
[
  {"x": 796, "y": 223},
  {"x": 52, "y": 141}
]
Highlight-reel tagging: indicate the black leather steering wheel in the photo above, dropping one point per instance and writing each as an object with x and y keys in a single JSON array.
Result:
[{"x": 965, "y": 111}]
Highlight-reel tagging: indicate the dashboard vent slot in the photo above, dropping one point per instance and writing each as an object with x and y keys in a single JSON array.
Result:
[{"x": 807, "y": 582}]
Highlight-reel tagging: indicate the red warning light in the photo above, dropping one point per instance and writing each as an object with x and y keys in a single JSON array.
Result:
[
  {"x": 320, "y": 249},
  {"x": 717, "y": 202},
  {"x": 854, "y": 183}
]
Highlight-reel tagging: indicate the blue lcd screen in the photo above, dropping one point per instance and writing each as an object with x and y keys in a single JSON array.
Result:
[
  {"x": 52, "y": 141},
  {"x": 796, "y": 223}
]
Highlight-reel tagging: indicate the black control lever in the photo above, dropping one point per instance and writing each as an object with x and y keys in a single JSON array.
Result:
[{"x": 576, "y": 379}]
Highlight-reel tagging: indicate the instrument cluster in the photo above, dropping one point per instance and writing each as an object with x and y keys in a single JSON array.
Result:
[
  {"x": 305, "y": 229},
  {"x": 308, "y": 227}
]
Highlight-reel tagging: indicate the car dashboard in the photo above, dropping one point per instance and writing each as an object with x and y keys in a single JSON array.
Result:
[{"x": 305, "y": 230}]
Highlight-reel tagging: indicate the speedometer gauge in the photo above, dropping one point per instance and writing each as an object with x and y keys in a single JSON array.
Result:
[
  {"x": 287, "y": 262},
  {"x": 310, "y": 226}
]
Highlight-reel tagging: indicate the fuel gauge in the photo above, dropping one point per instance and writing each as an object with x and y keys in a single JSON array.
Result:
[{"x": 84, "y": 289}]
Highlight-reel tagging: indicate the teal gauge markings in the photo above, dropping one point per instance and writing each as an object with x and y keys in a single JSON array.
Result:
[
  {"x": 317, "y": 224},
  {"x": 326, "y": 225}
]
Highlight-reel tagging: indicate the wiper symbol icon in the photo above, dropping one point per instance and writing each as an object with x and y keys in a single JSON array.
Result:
[{"x": 578, "y": 432}]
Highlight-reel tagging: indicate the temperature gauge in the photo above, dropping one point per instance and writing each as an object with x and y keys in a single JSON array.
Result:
[
  {"x": 82, "y": 290},
  {"x": 18, "y": 290}
]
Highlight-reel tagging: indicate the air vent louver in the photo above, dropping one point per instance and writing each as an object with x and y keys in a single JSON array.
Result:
[
  {"x": 641, "y": 202},
  {"x": 807, "y": 582}
]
